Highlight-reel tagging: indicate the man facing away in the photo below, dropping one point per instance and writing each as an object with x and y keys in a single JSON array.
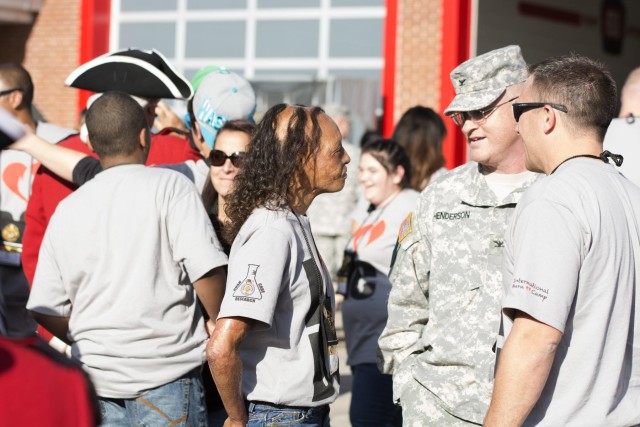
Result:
[
  {"x": 445, "y": 301},
  {"x": 116, "y": 270},
  {"x": 49, "y": 189},
  {"x": 570, "y": 305}
]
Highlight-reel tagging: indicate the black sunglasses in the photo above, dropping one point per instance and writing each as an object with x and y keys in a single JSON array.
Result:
[
  {"x": 217, "y": 158},
  {"x": 8, "y": 91},
  {"x": 521, "y": 107},
  {"x": 477, "y": 116}
]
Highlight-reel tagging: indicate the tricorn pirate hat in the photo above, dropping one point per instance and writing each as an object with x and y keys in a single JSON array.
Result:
[{"x": 145, "y": 74}]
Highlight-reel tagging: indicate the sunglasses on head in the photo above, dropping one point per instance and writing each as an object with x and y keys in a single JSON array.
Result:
[{"x": 217, "y": 158}]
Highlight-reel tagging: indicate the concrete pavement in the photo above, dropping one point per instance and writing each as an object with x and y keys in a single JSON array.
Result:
[{"x": 340, "y": 408}]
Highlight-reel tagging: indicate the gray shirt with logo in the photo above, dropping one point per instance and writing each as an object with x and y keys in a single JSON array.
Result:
[
  {"x": 288, "y": 356},
  {"x": 572, "y": 262}
]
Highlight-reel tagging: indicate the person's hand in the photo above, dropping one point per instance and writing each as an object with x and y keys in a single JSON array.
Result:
[
  {"x": 165, "y": 117},
  {"x": 234, "y": 423}
]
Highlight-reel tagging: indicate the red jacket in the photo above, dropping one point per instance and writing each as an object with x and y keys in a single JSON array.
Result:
[
  {"x": 49, "y": 189},
  {"x": 41, "y": 387}
]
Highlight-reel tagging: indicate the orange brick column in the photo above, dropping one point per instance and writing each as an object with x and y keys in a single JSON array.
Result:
[{"x": 431, "y": 38}]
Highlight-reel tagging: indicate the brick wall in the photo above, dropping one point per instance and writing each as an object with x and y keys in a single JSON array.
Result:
[
  {"x": 418, "y": 55},
  {"x": 51, "y": 53}
]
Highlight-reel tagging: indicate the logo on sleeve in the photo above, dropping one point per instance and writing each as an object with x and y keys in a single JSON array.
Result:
[
  {"x": 249, "y": 289},
  {"x": 405, "y": 228},
  {"x": 530, "y": 287}
]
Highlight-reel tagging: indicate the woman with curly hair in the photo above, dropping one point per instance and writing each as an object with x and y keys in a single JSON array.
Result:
[{"x": 274, "y": 343}]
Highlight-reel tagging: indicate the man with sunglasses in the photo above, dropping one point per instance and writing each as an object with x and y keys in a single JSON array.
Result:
[
  {"x": 445, "y": 301},
  {"x": 570, "y": 309},
  {"x": 16, "y": 171}
]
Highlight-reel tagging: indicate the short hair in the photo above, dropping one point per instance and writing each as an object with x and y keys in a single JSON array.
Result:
[
  {"x": 583, "y": 85},
  {"x": 15, "y": 76},
  {"x": 390, "y": 155},
  {"x": 275, "y": 160},
  {"x": 420, "y": 132},
  {"x": 114, "y": 122}
]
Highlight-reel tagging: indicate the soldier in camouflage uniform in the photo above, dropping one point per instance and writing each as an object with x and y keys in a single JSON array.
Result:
[{"x": 444, "y": 307}]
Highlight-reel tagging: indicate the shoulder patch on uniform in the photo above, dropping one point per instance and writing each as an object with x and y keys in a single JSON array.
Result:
[{"x": 405, "y": 228}]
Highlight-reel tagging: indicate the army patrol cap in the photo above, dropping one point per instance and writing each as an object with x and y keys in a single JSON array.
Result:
[{"x": 479, "y": 81}]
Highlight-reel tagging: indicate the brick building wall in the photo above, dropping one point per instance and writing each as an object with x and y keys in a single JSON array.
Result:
[
  {"x": 418, "y": 55},
  {"x": 51, "y": 54}
]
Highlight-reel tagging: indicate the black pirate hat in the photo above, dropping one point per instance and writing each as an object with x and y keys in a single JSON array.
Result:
[{"x": 145, "y": 74}]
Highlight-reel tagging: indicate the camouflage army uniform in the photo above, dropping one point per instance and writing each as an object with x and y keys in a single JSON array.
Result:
[{"x": 444, "y": 307}]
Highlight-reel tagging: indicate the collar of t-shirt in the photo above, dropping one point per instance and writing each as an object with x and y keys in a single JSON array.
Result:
[{"x": 502, "y": 184}]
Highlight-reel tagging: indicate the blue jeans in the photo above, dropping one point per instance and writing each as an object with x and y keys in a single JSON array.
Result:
[
  {"x": 372, "y": 398},
  {"x": 178, "y": 403},
  {"x": 265, "y": 414}
]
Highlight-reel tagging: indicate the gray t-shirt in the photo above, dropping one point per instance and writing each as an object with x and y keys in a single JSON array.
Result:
[
  {"x": 572, "y": 261},
  {"x": 122, "y": 250},
  {"x": 274, "y": 279}
]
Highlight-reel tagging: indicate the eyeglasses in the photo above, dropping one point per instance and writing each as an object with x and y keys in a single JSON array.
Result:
[
  {"x": 217, "y": 158},
  {"x": 8, "y": 91},
  {"x": 520, "y": 108},
  {"x": 476, "y": 116}
]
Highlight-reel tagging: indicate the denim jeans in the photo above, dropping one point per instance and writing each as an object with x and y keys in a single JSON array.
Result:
[
  {"x": 178, "y": 403},
  {"x": 267, "y": 415},
  {"x": 372, "y": 398}
]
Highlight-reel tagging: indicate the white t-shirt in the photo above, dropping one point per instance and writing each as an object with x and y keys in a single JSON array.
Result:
[
  {"x": 118, "y": 257},
  {"x": 273, "y": 279},
  {"x": 572, "y": 262},
  {"x": 502, "y": 184},
  {"x": 623, "y": 137}
]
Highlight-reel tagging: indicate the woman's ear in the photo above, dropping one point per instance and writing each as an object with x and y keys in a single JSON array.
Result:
[{"x": 398, "y": 175}]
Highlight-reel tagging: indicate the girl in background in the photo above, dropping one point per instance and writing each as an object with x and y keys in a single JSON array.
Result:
[{"x": 384, "y": 174}]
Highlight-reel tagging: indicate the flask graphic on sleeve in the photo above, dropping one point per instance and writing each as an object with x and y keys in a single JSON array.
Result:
[{"x": 249, "y": 289}]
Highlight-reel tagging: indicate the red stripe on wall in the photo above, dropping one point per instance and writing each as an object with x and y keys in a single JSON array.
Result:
[
  {"x": 389, "y": 71},
  {"x": 456, "y": 44},
  {"x": 94, "y": 36}
]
